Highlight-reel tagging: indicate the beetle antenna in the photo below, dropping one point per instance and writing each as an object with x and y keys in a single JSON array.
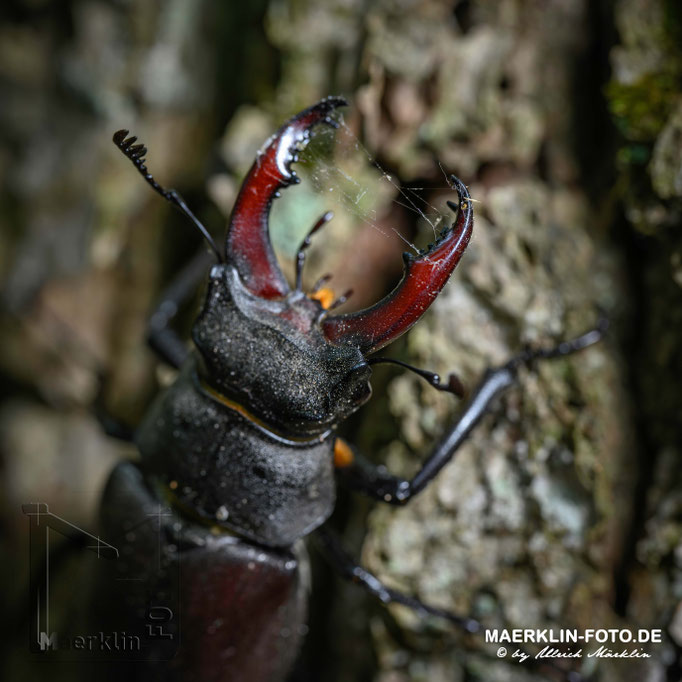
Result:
[
  {"x": 300, "y": 256},
  {"x": 454, "y": 384},
  {"x": 136, "y": 153}
]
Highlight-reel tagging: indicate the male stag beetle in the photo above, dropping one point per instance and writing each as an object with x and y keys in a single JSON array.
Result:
[{"x": 242, "y": 447}]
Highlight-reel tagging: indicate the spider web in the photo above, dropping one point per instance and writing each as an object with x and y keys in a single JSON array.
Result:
[{"x": 339, "y": 173}]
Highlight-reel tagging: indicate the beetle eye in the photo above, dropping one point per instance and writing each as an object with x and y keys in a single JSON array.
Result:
[{"x": 362, "y": 392}]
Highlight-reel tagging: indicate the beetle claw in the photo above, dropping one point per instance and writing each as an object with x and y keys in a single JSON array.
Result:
[
  {"x": 422, "y": 281},
  {"x": 248, "y": 241}
]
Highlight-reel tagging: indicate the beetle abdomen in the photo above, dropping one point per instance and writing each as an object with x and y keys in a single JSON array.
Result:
[{"x": 241, "y": 608}]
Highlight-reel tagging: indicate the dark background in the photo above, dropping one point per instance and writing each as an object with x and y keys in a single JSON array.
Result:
[{"x": 565, "y": 120}]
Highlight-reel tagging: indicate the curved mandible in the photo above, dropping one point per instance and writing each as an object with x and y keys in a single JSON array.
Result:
[
  {"x": 422, "y": 281},
  {"x": 248, "y": 241}
]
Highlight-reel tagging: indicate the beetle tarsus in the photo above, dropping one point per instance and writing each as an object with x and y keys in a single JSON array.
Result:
[{"x": 585, "y": 340}]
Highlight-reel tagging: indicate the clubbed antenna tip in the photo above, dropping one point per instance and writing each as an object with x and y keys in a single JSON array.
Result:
[{"x": 136, "y": 153}]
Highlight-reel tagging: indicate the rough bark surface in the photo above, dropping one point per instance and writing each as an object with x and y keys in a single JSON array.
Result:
[{"x": 565, "y": 120}]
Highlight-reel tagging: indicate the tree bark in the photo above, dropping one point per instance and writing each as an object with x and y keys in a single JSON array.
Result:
[{"x": 565, "y": 121}]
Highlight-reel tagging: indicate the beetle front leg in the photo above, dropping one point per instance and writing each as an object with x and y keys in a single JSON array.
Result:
[
  {"x": 162, "y": 338},
  {"x": 359, "y": 474}
]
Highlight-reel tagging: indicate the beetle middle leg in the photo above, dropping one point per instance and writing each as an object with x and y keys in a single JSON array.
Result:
[
  {"x": 161, "y": 337},
  {"x": 332, "y": 549}
]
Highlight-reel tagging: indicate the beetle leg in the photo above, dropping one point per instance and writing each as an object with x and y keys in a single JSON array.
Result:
[
  {"x": 111, "y": 426},
  {"x": 162, "y": 338},
  {"x": 333, "y": 551},
  {"x": 376, "y": 482}
]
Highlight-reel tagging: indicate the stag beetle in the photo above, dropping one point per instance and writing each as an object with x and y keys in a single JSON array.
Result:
[{"x": 242, "y": 447}]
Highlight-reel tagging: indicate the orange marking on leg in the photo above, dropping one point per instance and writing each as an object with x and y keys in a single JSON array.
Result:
[{"x": 343, "y": 455}]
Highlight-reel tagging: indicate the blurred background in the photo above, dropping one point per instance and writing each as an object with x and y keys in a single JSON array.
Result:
[{"x": 565, "y": 120}]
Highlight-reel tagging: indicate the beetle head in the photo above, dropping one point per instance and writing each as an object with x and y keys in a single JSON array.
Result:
[
  {"x": 276, "y": 350},
  {"x": 270, "y": 356},
  {"x": 279, "y": 352}
]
